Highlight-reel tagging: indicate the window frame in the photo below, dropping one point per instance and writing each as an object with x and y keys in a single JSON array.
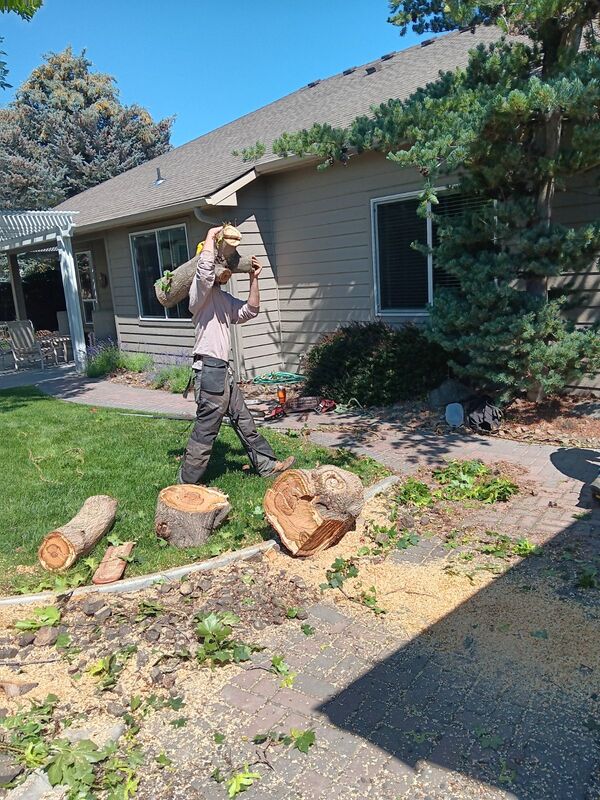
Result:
[
  {"x": 394, "y": 198},
  {"x": 155, "y": 231}
]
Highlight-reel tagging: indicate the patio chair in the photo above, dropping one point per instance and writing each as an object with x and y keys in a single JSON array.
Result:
[{"x": 25, "y": 347}]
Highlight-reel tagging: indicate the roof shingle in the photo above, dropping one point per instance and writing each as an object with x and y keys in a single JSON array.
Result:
[{"x": 205, "y": 164}]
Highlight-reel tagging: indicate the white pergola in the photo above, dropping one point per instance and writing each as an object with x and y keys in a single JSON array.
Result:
[{"x": 26, "y": 231}]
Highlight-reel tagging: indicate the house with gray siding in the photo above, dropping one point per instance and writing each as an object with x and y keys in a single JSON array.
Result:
[{"x": 336, "y": 243}]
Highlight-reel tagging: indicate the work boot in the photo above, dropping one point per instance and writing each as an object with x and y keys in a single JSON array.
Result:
[{"x": 281, "y": 466}]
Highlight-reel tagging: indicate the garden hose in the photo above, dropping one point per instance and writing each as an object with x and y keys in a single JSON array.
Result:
[{"x": 269, "y": 378}]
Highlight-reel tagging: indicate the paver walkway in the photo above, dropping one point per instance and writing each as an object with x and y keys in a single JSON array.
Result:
[{"x": 397, "y": 718}]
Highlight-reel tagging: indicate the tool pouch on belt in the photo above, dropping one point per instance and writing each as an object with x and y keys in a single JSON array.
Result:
[{"x": 213, "y": 375}]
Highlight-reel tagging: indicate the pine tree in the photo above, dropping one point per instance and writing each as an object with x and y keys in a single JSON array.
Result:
[
  {"x": 67, "y": 131},
  {"x": 519, "y": 123}
]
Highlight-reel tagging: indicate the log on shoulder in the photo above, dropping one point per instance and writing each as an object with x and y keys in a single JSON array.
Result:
[
  {"x": 175, "y": 287},
  {"x": 313, "y": 509},
  {"x": 186, "y": 515},
  {"x": 63, "y": 546}
]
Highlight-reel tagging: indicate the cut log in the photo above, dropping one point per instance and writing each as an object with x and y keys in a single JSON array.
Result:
[
  {"x": 63, "y": 546},
  {"x": 313, "y": 509},
  {"x": 186, "y": 515},
  {"x": 176, "y": 287}
]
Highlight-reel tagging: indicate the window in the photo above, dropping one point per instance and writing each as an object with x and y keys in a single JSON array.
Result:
[
  {"x": 406, "y": 279},
  {"x": 87, "y": 285},
  {"x": 153, "y": 253}
]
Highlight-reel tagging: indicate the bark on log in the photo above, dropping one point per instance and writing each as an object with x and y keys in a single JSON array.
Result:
[
  {"x": 313, "y": 509},
  {"x": 186, "y": 515},
  {"x": 63, "y": 546},
  {"x": 181, "y": 278}
]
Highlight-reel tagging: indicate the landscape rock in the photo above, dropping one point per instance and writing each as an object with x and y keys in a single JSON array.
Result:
[
  {"x": 103, "y": 614},
  {"x": 9, "y": 770},
  {"x": 168, "y": 681},
  {"x": 302, "y": 614},
  {"x": 141, "y": 659},
  {"x": 156, "y": 675},
  {"x": 8, "y": 652},
  {"x": 46, "y": 637},
  {"x": 406, "y": 521},
  {"x": 90, "y": 607},
  {"x": 25, "y": 639},
  {"x": 449, "y": 391},
  {"x": 186, "y": 588},
  {"x": 98, "y": 733},
  {"x": 152, "y": 634},
  {"x": 16, "y": 688},
  {"x": 34, "y": 787},
  {"x": 116, "y": 709}
]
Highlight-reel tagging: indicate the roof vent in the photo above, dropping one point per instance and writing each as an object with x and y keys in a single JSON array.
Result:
[
  {"x": 427, "y": 42},
  {"x": 313, "y": 83},
  {"x": 372, "y": 68},
  {"x": 349, "y": 71},
  {"x": 159, "y": 178},
  {"x": 387, "y": 56}
]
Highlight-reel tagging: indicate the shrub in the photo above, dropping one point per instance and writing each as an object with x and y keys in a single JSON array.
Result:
[
  {"x": 174, "y": 378},
  {"x": 136, "y": 362},
  {"x": 375, "y": 364},
  {"x": 103, "y": 359},
  {"x": 106, "y": 358}
]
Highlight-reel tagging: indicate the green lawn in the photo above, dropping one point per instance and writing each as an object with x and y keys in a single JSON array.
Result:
[{"x": 55, "y": 454}]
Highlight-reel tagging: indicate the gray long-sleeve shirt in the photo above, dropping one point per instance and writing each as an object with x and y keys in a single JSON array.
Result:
[{"x": 214, "y": 310}]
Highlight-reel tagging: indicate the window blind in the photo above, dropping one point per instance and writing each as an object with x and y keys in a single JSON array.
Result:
[{"x": 403, "y": 271}]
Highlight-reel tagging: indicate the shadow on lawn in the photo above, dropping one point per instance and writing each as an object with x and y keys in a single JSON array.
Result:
[{"x": 503, "y": 689}]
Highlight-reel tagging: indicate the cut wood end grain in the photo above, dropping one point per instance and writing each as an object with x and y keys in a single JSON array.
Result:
[
  {"x": 313, "y": 509},
  {"x": 62, "y": 547}
]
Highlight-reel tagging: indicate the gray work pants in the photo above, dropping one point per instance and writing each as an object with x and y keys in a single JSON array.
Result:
[{"x": 209, "y": 416}]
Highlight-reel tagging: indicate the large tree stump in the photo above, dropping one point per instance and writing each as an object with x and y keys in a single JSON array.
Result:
[
  {"x": 313, "y": 509},
  {"x": 63, "y": 546},
  {"x": 176, "y": 287},
  {"x": 186, "y": 514}
]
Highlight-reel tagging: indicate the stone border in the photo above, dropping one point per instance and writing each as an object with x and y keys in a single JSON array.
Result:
[{"x": 144, "y": 581}]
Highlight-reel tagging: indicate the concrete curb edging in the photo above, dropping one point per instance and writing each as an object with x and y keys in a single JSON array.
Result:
[
  {"x": 144, "y": 581},
  {"x": 381, "y": 486}
]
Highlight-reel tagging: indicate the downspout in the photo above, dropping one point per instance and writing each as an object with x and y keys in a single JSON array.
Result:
[{"x": 237, "y": 345}]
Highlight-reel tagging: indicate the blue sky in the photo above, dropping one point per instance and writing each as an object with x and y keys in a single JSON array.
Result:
[{"x": 205, "y": 62}]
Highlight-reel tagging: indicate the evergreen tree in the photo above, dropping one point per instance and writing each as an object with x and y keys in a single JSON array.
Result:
[
  {"x": 520, "y": 122},
  {"x": 67, "y": 131}
]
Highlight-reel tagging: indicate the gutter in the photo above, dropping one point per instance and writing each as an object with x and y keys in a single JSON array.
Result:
[{"x": 225, "y": 196}]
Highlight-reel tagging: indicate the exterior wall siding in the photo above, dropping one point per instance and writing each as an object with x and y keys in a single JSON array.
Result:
[
  {"x": 323, "y": 246},
  {"x": 171, "y": 341}
]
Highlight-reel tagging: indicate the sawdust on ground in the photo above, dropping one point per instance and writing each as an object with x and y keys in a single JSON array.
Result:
[{"x": 518, "y": 626}]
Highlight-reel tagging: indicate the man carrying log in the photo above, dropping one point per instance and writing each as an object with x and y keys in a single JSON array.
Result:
[{"x": 216, "y": 391}]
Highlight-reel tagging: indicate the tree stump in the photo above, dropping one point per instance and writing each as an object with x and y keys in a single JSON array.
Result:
[
  {"x": 186, "y": 514},
  {"x": 176, "y": 287},
  {"x": 313, "y": 509},
  {"x": 63, "y": 546}
]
